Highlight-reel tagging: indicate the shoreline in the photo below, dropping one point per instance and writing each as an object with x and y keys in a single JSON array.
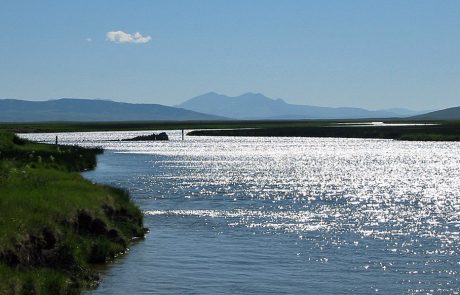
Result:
[
  {"x": 54, "y": 224},
  {"x": 440, "y": 132},
  {"x": 397, "y": 129}
]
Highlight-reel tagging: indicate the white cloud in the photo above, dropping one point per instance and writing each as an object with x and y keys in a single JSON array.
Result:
[
  {"x": 122, "y": 37},
  {"x": 89, "y": 40}
]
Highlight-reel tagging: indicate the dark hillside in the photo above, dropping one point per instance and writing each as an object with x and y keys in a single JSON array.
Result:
[
  {"x": 446, "y": 114},
  {"x": 88, "y": 110}
]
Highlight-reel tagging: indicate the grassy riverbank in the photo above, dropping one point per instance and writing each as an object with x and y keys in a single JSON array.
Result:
[{"x": 54, "y": 224}]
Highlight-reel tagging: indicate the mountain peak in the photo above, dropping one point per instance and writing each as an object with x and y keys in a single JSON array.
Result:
[
  {"x": 210, "y": 93},
  {"x": 252, "y": 94},
  {"x": 244, "y": 106},
  {"x": 252, "y": 105}
]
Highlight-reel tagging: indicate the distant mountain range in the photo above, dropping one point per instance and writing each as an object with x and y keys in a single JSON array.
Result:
[
  {"x": 258, "y": 106},
  {"x": 210, "y": 106},
  {"x": 79, "y": 110}
]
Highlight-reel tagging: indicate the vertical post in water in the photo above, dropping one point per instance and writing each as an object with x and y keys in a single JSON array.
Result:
[
  {"x": 182, "y": 134},
  {"x": 56, "y": 140}
]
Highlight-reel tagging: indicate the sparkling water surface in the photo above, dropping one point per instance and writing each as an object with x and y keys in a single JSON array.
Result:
[{"x": 236, "y": 215}]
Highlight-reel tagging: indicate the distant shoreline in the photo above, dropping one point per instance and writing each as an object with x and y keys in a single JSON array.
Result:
[
  {"x": 415, "y": 132},
  {"x": 50, "y": 127}
]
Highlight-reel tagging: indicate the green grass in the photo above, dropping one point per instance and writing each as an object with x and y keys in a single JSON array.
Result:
[
  {"x": 54, "y": 224},
  {"x": 43, "y": 281}
]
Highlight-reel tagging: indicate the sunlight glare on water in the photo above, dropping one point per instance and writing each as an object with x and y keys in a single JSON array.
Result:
[{"x": 344, "y": 215}]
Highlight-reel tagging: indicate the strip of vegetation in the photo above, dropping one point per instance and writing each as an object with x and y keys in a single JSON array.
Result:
[
  {"x": 442, "y": 132},
  {"x": 174, "y": 125},
  {"x": 54, "y": 224},
  {"x": 153, "y": 125}
]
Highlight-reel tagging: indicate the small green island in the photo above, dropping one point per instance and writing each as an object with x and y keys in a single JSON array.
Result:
[{"x": 55, "y": 226}]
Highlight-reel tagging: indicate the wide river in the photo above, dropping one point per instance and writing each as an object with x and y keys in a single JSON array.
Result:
[{"x": 284, "y": 215}]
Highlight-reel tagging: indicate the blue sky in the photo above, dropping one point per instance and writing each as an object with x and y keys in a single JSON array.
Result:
[{"x": 372, "y": 54}]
